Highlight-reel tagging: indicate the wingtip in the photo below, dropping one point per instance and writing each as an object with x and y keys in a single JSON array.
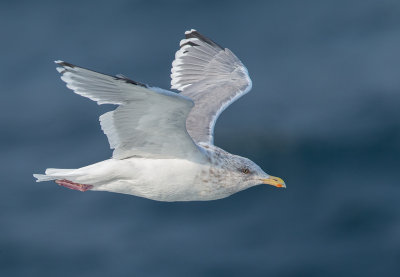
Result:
[
  {"x": 194, "y": 34},
  {"x": 62, "y": 63},
  {"x": 61, "y": 69},
  {"x": 190, "y": 31}
]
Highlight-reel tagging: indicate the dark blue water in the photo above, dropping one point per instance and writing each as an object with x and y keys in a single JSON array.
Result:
[{"x": 323, "y": 114}]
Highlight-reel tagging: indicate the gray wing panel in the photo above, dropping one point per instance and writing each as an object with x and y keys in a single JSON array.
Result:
[
  {"x": 212, "y": 76},
  {"x": 154, "y": 127},
  {"x": 210, "y": 102},
  {"x": 149, "y": 122}
]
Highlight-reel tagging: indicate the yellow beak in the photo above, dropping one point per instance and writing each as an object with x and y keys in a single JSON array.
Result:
[{"x": 274, "y": 181}]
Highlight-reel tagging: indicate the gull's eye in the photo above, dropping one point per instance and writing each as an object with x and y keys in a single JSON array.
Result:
[{"x": 245, "y": 170}]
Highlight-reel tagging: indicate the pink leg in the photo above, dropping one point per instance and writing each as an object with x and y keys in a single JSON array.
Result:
[{"x": 72, "y": 185}]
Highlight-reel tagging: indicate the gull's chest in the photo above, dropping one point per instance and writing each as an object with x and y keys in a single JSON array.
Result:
[
  {"x": 213, "y": 182},
  {"x": 171, "y": 180}
]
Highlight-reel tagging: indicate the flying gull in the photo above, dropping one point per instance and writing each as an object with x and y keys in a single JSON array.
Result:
[{"x": 162, "y": 140}]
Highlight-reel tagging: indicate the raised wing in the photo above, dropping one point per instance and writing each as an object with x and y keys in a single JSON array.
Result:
[
  {"x": 149, "y": 122},
  {"x": 212, "y": 76}
]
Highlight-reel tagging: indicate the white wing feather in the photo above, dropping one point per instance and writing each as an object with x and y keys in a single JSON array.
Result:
[{"x": 149, "y": 122}]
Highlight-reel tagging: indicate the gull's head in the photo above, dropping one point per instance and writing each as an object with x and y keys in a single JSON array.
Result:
[{"x": 250, "y": 174}]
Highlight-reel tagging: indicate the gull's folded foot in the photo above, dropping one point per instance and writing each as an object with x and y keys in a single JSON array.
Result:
[{"x": 72, "y": 185}]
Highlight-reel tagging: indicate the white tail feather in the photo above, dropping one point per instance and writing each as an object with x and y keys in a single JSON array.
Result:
[
  {"x": 53, "y": 174},
  {"x": 43, "y": 177}
]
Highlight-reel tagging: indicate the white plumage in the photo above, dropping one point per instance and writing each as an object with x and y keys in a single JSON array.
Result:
[{"x": 163, "y": 141}]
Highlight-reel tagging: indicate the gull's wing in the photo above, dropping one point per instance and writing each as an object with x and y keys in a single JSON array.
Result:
[
  {"x": 149, "y": 122},
  {"x": 212, "y": 76}
]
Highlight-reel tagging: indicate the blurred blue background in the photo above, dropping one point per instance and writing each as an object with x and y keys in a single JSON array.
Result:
[{"x": 323, "y": 114}]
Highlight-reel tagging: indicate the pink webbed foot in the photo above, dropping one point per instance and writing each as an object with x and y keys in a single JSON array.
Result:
[{"x": 72, "y": 185}]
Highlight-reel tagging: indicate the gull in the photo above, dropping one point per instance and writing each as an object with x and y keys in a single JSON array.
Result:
[{"x": 163, "y": 141}]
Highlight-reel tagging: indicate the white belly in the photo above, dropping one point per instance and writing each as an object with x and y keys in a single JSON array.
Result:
[{"x": 157, "y": 179}]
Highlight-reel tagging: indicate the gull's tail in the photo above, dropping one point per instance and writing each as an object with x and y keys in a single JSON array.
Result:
[
  {"x": 63, "y": 177},
  {"x": 54, "y": 174}
]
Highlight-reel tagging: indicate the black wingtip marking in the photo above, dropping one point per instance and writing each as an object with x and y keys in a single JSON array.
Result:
[
  {"x": 195, "y": 34},
  {"x": 65, "y": 64},
  {"x": 191, "y": 43},
  {"x": 118, "y": 77},
  {"x": 129, "y": 81}
]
